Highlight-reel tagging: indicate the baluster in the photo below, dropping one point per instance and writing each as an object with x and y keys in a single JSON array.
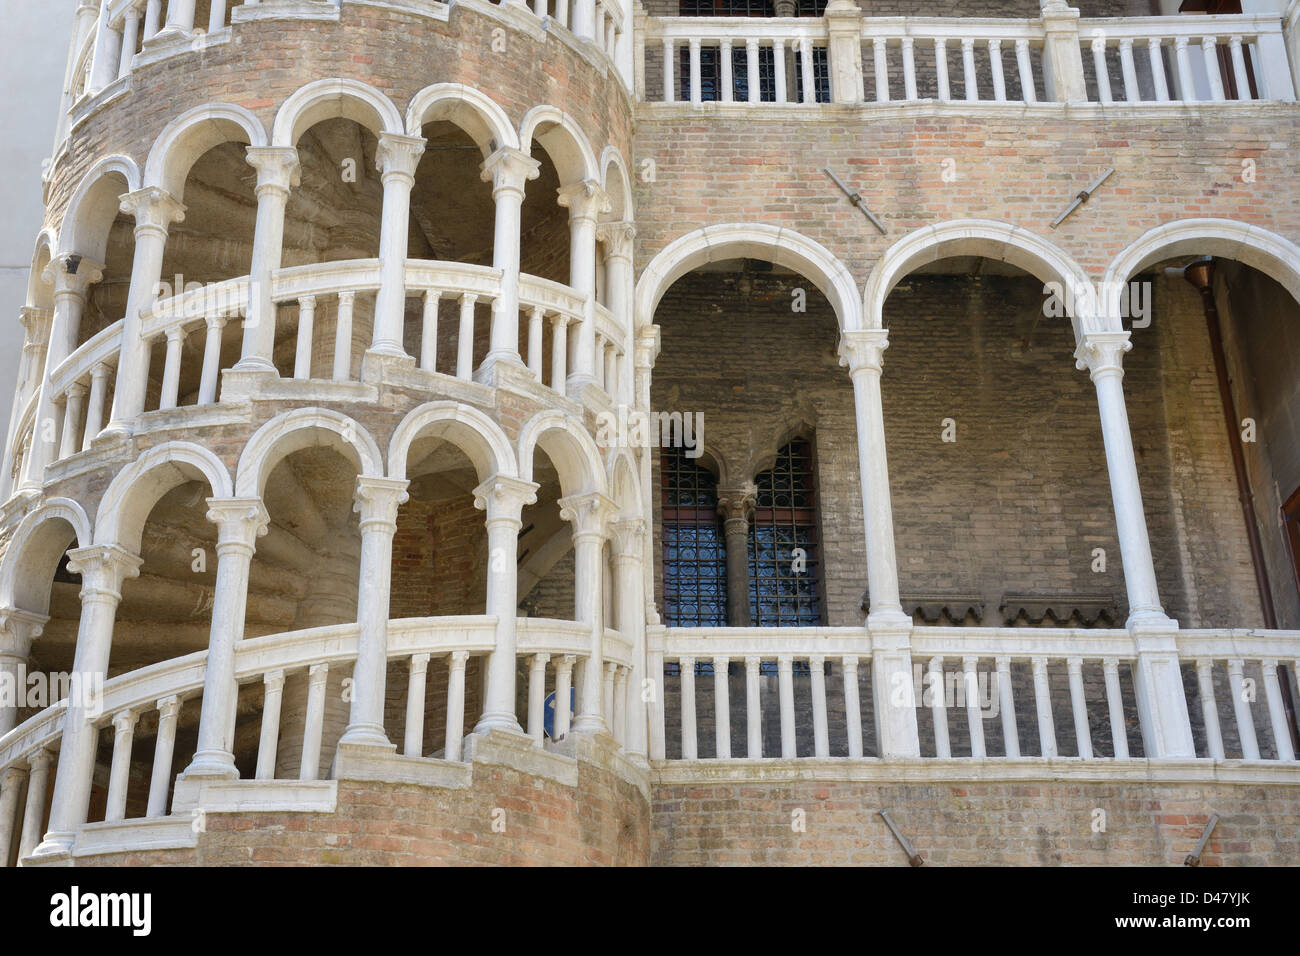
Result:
[
  {"x": 306, "y": 321},
  {"x": 655, "y": 721},
  {"x": 999, "y": 78},
  {"x": 938, "y": 708},
  {"x": 1115, "y": 706},
  {"x": 599, "y": 27},
  {"x": 152, "y": 18},
  {"x": 559, "y": 351},
  {"x": 1007, "y": 705},
  {"x": 71, "y": 418},
  {"x": 343, "y": 338},
  {"x": 217, "y": 16},
  {"x": 778, "y": 70},
  {"x": 211, "y": 360},
  {"x": 1276, "y": 713},
  {"x": 1241, "y": 708},
  {"x": 751, "y": 70},
  {"x": 974, "y": 719},
  {"x": 1131, "y": 92},
  {"x": 1079, "y": 705},
  {"x": 465, "y": 338},
  {"x": 1210, "y": 51},
  {"x": 1043, "y": 704},
  {"x": 1025, "y": 67},
  {"x": 611, "y": 369},
  {"x": 620, "y": 704},
  {"x": 852, "y": 705},
  {"x": 785, "y": 687},
  {"x": 172, "y": 369},
  {"x": 880, "y": 63},
  {"x": 806, "y": 70},
  {"x": 686, "y": 667},
  {"x": 1209, "y": 708},
  {"x": 130, "y": 35},
  {"x": 416, "y": 681},
  {"x": 1239, "y": 69},
  {"x": 455, "y": 730},
  {"x": 607, "y": 694},
  {"x": 599, "y": 361},
  {"x": 1102, "y": 70},
  {"x": 1186, "y": 84},
  {"x": 909, "y": 69},
  {"x": 721, "y": 708},
  {"x": 269, "y": 743},
  {"x": 668, "y": 70},
  {"x": 693, "y": 62},
  {"x": 38, "y": 778},
  {"x": 309, "y": 769},
  {"x": 95, "y": 407},
  {"x": 537, "y": 696},
  {"x": 753, "y": 715},
  {"x": 728, "y": 83},
  {"x": 941, "y": 67},
  {"x": 11, "y": 781},
  {"x": 968, "y": 69},
  {"x": 562, "y": 12},
  {"x": 164, "y": 748},
  {"x": 563, "y": 694},
  {"x": 535, "y": 341},
  {"x": 120, "y": 769},
  {"x": 821, "y": 734},
  {"x": 539, "y": 8},
  {"x": 1157, "y": 60}
]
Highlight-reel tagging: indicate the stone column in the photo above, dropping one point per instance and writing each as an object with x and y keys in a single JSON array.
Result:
[
  {"x": 585, "y": 201},
  {"x": 240, "y": 522},
  {"x": 36, "y": 325},
  {"x": 628, "y": 538},
  {"x": 397, "y": 160},
  {"x": 377, "y": 501},
  {"x": 507, "y": 170},
  {"x": 18, "y": 629},
  {"x": 645, "y": 352},
  {"x": 736, "y": 505},
  {"x": 180, "y": 17},
  {"x": 503, "y": 499},
  {"x": 590, "y": 514},
  {"x": 108, "y": 51},
  {"x": 620, "y": 287},
  {"x": 891, "y": 664},
  {"x": 38, "y": 781},
  {"x": 154, "y": 210},
  {"x": 1162, "y": 704},
  {"x": 71, "y": 277},
  {"x": 103, "y": 568},
  {"x": 278, "y": 172},
  {"x": 12, "y": 779}
]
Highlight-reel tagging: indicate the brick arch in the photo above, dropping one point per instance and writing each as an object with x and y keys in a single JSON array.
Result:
[
  {"x": 299, "y": 429},
  {"x": 327, "y": 99},
  {"x": 192, "y": 134}
]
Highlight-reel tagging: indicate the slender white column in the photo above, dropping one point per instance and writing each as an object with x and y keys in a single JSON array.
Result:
[
  {"x": 753, "y": 711},
  {"x": 880, "y": 65},
  {"x": 968, "y": 69},
  {"x": 309, "y": 768},
  {"x": 397, "y": 159},
  {"x": 1209, "y": 708},
  {"x": 585, "y": 201},
  {"x": 152, "y": 18},
  {"x": 211, "y": 359},
  {"x": 429, "y": 331},
  {"x": 217, "y": 16},
  {"x": 589, "y": 514},
  {"x": 1276, "y": 713},
  {"x": 728, "y": 92},
  {"x": 503, "y": 500},
  {"x": 130, "y": 37},
  {"x": 465, "y": 338},
  {"x": 164, "y": 748},
  {"x": 785, "y": 694},
  {"x": 95, "y": 406},
  {"x": 563, "y": 695},
  {"x": 454, "y": 736},
  {"x": 18, "y": 629},
  {"x": 1239, "y": 73},
  {"x": 1129, "y": 70},
  {"x": 171, "y": 383},
  {"x": 240, "y": 522},
  {"x": 778, "y": 69},
  {"x": 559, "y": 352},
  {"x": 670, "y": 92},
  {"x": 1209, "y": 50},
  {"x": 1115, "y": 707},
  {"x": 1101, "y": 69},
  {"x": 751, "y": 71},
  {"x": 413, "y": 740},
  {"x": 620, "y": 705},
  {"x": 154, "y": 210},
  {"x": 821, "y": 735},
  {"x": 806, "y": 70},
  {"x": 938, "y": 707},
  {"x": 278, "y": 172},
  {"x": 1043, "y": 704},
  {"x": 721, "y": 708},
  {"x": 103, "y": 568},
  {"x": 1157, "y": 61},
  {"x": 38, "y": 779},
  {"x": 535, "y": 342},
  {"x": 852, "y": 705},
  {"x": 108, "y": 51},
  {"x": 537, "y": 696},
  {"x": 306, "y": 328},
  {"x": 1241, "y": 708},
  {"x": 1079, "y": 707},
  {"x": 618, "y": 240},
  {"x": 909, "y": 68},
  {"x": 120, "y": 768},
  {"x": 268, "y": 744},
  {"x": 343, "y": 338},
  {"x": 71, "y": 419},
  {"x": 1186, "y": 83},
  {"x": 12, "y": 780},
  {"x": 690, "y": 750},
  {"x": 941, "y": 67},
  {"x": 628, "y": 538},
  {"x": 974, "y": 719},
  {"x": 607, "y": 698},
  {"x": 1007, "y": 706},
  {"x": 693, "y": 65},
  {"x": 1025, "y": 67},
  {"x": 180, "y": 16}
]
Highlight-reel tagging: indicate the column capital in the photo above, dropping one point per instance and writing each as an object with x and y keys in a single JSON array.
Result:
[
  {"x": 36, "y": 322},
  {"x": 736, "y": 502},
  {"x": 503, "y": 497},
  {"x": 239, "y": 521},
  {"x": 1102, "y": 352},
  {"x": 277, "y": 167},
  {"x": 169, "y": 707},
  {"x": 647, "y": 346},
  {"x": 103, "y": 568},
  {"x": 40, "y": 761},
  {"x": 18, "y": 628},
  {"x": 376, "y": 500},
  {"x": 618, "y": 237},
  {"x": 153, "y": 208},
  {"x": 508, "y": 169},
  {"x": 863, "y": 349},
  {"x": 628, "y": 537},
  {"x": 399, "y": 155},
  {"x": 589, "y": 513},
  {"x": 72, "y": 275},
  {"x": 584, "y": 199}
]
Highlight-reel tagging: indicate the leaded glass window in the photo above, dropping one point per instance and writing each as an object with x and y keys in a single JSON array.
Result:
[
  {"x": 695, "y": 553},
  {"x": 784, "y": 543}
]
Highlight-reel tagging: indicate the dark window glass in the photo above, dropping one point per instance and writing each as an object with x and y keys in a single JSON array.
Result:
[
  {"x": 784, "y": 545},
  {"x": 695, "y": 553}
]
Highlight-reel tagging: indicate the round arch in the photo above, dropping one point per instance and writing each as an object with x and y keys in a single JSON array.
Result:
[
  {"x": 39, "y": 541},
  {"x": 1276, "y": 257},
  {"x": 330, "y": 98},
  {"x": 474, "y": 433},
  {"x": 40, "y": 293},
  {"x": 616, "y": 183},
  {"x": 94, "y": 206},
  {"x": 785, "y": 247},
  {"x": 467, "y": 108},
  {"x": 564, "y": 142},
  {"x": 973, "y": 237},
  {"x": 125, "y": 507},
  {"x": 299, "y": 429},
  {"x": 572, "y": 450},
  {"x": 186, "y": 138},
  {"x": 624, "y": 488}
]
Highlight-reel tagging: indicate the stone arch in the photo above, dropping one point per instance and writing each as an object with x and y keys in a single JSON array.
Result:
[
  {"x": 125, "y": 507},
  {"x": 564, "y": 142},
  {"x": 480, "y": 439},
  {"x": 39, "y": 541},
  {"x": 40, "y": 293},
  {"x": 94, "y": 205},
  {"x": 616, "y": 183},
  {"x": 765, "y": 455},
  {"x": 330, "y": 98},
  {"x": 471, "y": 110},
  {"x": 573, "y": 451},
  {"x": 624, "y": 488},
  {"x": 785, "y": 247},
  {"x": 975, "y": 237},
  {"x": 1271, "y": 254},
  {"x": 192, "y": 134},
  {"x": 298, "y": 429}
]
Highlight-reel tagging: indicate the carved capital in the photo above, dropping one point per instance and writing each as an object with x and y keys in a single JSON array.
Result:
[
  {"x": 647, "y": 346},
  {"x": 376, "y": 500},
  {"x": 72, "y": 275},
  {"x": 736, "y": 503},
  {"x": 863, "y": 349},
  {"x": 618, "y": 238},
  {"x": 239, "y": 521},
  {"x": 18, "y": 628},
  {"x": 628, "y": 537},
  {"x": 399, "y": 155},
  {"x": 508, "y": 169},
  {"x": 503, "y": 498},
  {"x": 277, "y": 167},
  {"x": 1102, "y": 352},
  {"x": 103, "y": 568},
  {"x": 584, "y": 199},
  {"x": 589, "y": 513},
  {"x": 153, "y": 209}
]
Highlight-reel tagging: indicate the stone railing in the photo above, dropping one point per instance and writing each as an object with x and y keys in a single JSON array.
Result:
[
  {"x": 1014, "y": 692},
  {"x": 165, "y": 689},
  {"x": 849, "y": 59}
]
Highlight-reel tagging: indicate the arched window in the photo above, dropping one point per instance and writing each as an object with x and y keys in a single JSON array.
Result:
[
  {"x": 784, "y": 543},
  {"x": 695, "y": 554}
]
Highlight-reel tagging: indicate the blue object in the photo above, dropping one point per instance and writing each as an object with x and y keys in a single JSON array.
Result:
[{"x": 548, "y": 713}]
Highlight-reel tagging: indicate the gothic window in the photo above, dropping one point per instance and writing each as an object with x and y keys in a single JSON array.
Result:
[
  {"x": 695, "y": 555},
  {"x": 784, "y": 551}
]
